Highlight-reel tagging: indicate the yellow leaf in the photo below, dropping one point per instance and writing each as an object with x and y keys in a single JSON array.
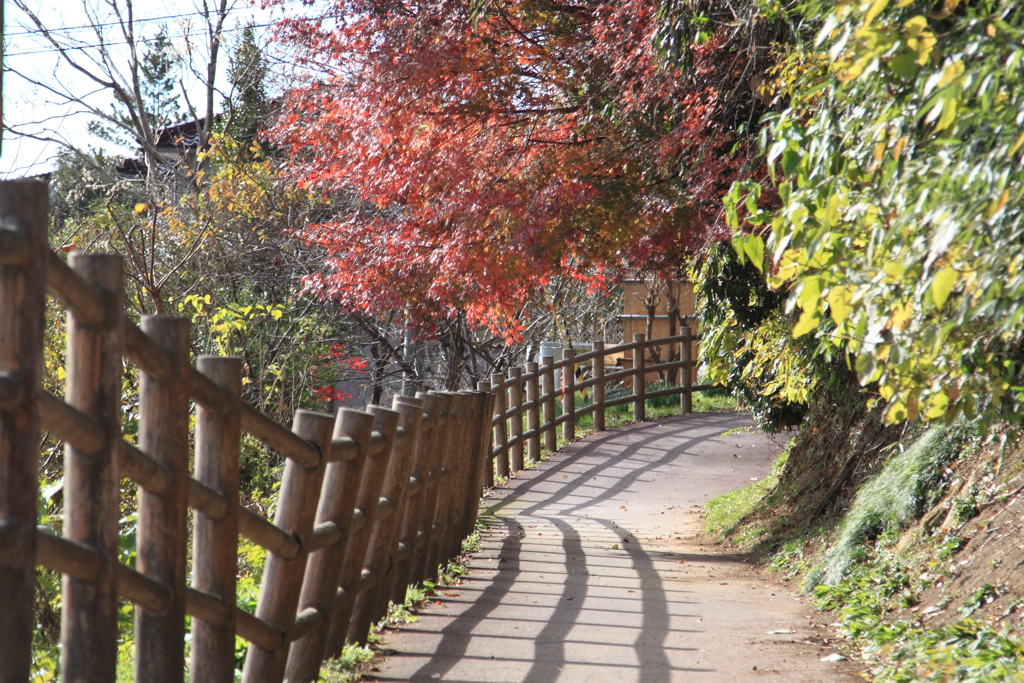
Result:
[
  {"x": 951, "y": 73},
  {"x": 894, "y": 270},
  {"x": 942, "y": 285},
  {"x": 876, "y": 8},
  {"x": 948, "y": 113},
  {"x": 810, "y": 294},
  {"x": 839, "y": 303},
  {"x": 897, "y": 413},
  {"x": 276, "y": 314},
  {"x": 898, "y": 148},
  {"x": 919, "y": 38},
  {"x": 141, "y": 208},
  {"x": 879, "y": 153},
  {"x": 937, "y": 406},
  {"x": 809, "y": 319},
  {"x": 901, "y": 315}
]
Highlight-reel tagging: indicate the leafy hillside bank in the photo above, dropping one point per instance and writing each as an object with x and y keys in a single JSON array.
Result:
[{"x": 918, "y": 558}]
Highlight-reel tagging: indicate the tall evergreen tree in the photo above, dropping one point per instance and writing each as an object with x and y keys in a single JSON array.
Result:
[
  {"x": 158, "y": 76},
  {"x": 247, "y": 108}
]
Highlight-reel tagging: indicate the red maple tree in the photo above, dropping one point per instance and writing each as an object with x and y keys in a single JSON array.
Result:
[{"x": 495, "y": 143}]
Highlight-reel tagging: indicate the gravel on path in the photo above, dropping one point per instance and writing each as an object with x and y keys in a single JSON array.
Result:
[{"x": 591, "y": 572}]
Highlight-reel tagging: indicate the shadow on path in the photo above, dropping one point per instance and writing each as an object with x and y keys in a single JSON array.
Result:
[{"x": 571, "y": 587}]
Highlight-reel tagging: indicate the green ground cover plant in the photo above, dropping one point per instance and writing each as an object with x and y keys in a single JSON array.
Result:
[
  {"x": 723, "y": 514},
  {"x": 908, "y": 484},
  {"x": 902, "y": 650}
]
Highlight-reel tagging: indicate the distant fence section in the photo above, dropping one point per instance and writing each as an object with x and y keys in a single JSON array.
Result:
[
  {"x": 515, "y": 446},
  {"x": 370, "y": 501}
]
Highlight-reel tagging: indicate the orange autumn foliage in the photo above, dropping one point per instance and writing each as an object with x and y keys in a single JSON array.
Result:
[{"x": 494, "y": 144}]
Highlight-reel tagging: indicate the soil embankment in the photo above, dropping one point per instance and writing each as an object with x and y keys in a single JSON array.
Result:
[{"x": 590, "y": 571}]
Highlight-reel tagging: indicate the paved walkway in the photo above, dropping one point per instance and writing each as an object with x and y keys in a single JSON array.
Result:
[{"x": 590, "y": 573}]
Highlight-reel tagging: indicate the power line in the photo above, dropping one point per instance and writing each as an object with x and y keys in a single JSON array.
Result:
[
  {"x": 144, "y": 20},
  {"x": 114, "y": 43}
]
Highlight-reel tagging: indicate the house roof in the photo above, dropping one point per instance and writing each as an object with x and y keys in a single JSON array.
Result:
[{"x": 183, "y": 135}]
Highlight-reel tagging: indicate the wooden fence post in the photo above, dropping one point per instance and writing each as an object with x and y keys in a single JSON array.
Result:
[
  {"x": 282, "y": 579},
  {"x": 455, "y": 486},
  {"x": 475, "y": 411},
  {"x": 488, "y": 465},
  {"x": 515, "y": 394},
  {"x": 482, "y": 444},
  {"x": 323, "y": 571},
  {"x": 599, "y": 386},
  {"x": 23, "y": 256},
  {"x": 162, "y": 538},
  {"x": 548, "y": 388},
  {"x": 533, "y": 414},
  {"x": 385, "y": 423},
  {"x": 382, "y": 537},
  {"x": 639, "y": 378},
  {"x": 447, "y": 443},
  {"x": 569, "y": 395},
  {"x": 403, "y": 534},
  {"x": 91, "y": 483},
  {"x": 460, "y": 484},
  {"x": 686, "y": 355},
  {"x": 215, "y": 542},
  {"x": 439, "y": 476},
  {"x": 500, "y": 429},
  {"x": 414, "y": 530}
]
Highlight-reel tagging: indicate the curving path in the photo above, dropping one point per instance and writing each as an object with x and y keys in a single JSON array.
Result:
[{"x": 590, "y": 573}]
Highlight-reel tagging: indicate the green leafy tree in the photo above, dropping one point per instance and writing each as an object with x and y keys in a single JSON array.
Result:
[{"x": 899, "y": 168}]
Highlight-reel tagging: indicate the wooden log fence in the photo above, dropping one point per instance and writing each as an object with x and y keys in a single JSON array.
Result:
[
  {"x": 371, "y": 501},
  {"x": 360, "y": 512},
  {"x": 539, "y": 411}
]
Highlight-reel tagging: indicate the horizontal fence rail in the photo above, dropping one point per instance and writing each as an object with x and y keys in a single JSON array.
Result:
[{"x": 371, "y": 501}]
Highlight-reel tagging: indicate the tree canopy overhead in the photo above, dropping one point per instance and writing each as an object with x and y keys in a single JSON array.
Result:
[{"x": 495, "y": 143}]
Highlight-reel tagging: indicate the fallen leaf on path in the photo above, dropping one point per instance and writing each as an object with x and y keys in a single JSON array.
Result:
[{"x": 834, "y": 657}]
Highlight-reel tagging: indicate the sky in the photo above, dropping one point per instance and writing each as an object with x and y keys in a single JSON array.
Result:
[{"x": 51, "y": 117}]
